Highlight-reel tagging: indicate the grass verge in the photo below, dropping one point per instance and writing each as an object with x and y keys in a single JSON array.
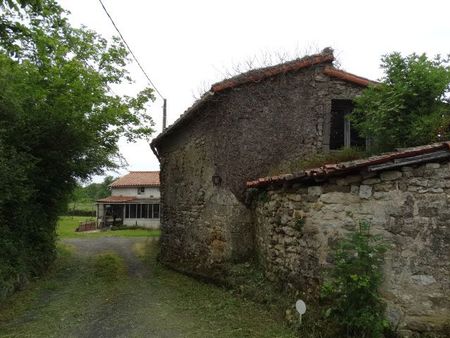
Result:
[{"x": 67, "y": 225}]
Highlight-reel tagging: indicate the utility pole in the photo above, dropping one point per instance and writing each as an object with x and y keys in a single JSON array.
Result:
[{"x": 164, "y": 114}]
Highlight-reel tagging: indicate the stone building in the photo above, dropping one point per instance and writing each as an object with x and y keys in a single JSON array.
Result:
[
  {"x": 405, "y": 195},
  {"x": 235, "y": 133}
]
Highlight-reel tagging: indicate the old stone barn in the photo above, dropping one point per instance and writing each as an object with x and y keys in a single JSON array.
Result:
[
  {"x": 234, "y": 134},
  {"x": 212, "y": 160}
]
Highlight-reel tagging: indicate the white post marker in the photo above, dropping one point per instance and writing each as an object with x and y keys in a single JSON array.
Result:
[{"x": 301, "y": 308}]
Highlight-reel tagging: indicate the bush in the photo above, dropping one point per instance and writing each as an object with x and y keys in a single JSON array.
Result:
[
  {"x": 59, "y": 125},
  {"x": 409, "y": 107},
  {"x": 355, "y": 305}
]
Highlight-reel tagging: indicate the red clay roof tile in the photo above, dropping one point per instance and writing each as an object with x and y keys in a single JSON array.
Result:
[
  {"x": 342, "y": 168},
  {"x": 137, "y": 179},
  {"x": 348, "y": 77},
  {"x": 263, "y": 73}
]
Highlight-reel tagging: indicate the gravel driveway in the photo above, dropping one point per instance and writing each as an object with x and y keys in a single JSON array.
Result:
[{"x": 121, "y": 246}]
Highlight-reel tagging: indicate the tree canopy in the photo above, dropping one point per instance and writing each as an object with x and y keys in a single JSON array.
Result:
[
  {"x": 59, "y": 123},
  {"x": 410, "y": 106}
]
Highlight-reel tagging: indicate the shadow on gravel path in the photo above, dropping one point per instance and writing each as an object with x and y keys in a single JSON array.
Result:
[
  {"x": 75, "y": 299},
  {"x": 122, "y": 246}
]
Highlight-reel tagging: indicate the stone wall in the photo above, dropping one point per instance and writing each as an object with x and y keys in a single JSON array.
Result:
[
  {"x": 238, "y": 135},
  {"x": 296, "y": 228}
]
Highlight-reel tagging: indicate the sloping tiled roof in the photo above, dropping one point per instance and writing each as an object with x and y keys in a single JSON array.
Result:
[
  {"x": 117, "y": 199},
  {"x": 137, "y": 179},
  {"x": 257, "y": 75},
  {"x": 348, "y": 77},
  {"x": 395, "y": 159}
]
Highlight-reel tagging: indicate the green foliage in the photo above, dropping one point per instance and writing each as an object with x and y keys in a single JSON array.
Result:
[
  {"x": 411, "y": 104},
  {"x": 59, "y": 124},
  {"x": 82, "y": 200},
  {"x": 352, "y": 291}
]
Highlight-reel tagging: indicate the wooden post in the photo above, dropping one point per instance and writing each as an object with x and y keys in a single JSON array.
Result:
[{"x": 164, "y": 114}]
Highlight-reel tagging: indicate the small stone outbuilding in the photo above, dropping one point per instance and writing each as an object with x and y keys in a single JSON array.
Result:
[
  {"x": 235, "y": 133},
  {"x": 404, "y": 195}
]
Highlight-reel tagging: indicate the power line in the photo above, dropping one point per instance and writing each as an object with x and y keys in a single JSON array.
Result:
[{"x": 129, "y": 49}]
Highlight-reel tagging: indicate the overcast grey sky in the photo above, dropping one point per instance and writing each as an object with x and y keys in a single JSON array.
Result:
[{"x": 186, "y": 45}]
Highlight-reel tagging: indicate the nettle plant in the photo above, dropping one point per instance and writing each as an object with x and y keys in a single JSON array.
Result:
[{"x": 351, "y": 290}]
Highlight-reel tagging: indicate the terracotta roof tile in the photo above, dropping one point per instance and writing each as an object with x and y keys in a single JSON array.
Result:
[
  {"x": 137, "y": 179},
  {"x": 348, "y": 77},
  {"x": 263, "y": 73},
  {"x": 342, "y": 168}
]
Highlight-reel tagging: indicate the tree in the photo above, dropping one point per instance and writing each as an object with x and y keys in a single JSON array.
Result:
[
  {"x": 411, "y": 104},
  {"x": 59, "y": 123}
]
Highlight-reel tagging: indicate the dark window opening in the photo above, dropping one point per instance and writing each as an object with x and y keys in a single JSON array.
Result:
[
  {"x": 155, "y": 210},
  {"x": 132, "y": 210},
  {"x": 141, "y": 211},
  {"x": 341, "y": 132},
  {"x": 145, "y": 211}
]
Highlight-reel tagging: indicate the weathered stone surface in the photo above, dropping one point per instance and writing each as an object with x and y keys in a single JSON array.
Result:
[
  {"x": 365, "y": 191},
  {"x": 294, "y": 197},
  {"x": 390, "y": 175},
  {"x": 432, "y": 165},
  {"x": 412, "y": 214},
  {"x": 423, "y": 280},
  {"x": 349, "y": 180},
  {"x": 338, "y": 198},
  {"x": 315, "y": 190},
  {"x": 371, "y": 181}
]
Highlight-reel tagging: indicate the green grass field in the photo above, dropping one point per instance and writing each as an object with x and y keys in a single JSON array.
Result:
[{"x": 67, "y": 225}]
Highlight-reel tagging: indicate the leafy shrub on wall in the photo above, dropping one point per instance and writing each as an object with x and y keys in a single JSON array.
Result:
[{"x": 351, "y": 291}]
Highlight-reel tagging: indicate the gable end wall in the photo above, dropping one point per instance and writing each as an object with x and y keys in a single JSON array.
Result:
[{"x": 239, "y": 135}]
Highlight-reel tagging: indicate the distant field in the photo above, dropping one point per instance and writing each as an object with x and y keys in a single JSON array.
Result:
[
  {"x": 67, "y": 225},
  {"x": 84, "y": 206}
]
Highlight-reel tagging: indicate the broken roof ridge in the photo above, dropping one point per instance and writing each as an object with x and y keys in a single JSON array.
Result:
[{"x": 259, "y": 74}]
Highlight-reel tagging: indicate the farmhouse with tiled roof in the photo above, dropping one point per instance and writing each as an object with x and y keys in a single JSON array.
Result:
[{"x": 134, "y": 201}]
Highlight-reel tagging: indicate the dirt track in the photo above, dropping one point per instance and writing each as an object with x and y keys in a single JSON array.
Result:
[
  {"x": 146, "y": 301},
  {"x": 122, "y": 246}
]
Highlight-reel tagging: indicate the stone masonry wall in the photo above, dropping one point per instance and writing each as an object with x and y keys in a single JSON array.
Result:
[
  {"x": 238, "y": 136},
  {"x": 410, "y": 208}
]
